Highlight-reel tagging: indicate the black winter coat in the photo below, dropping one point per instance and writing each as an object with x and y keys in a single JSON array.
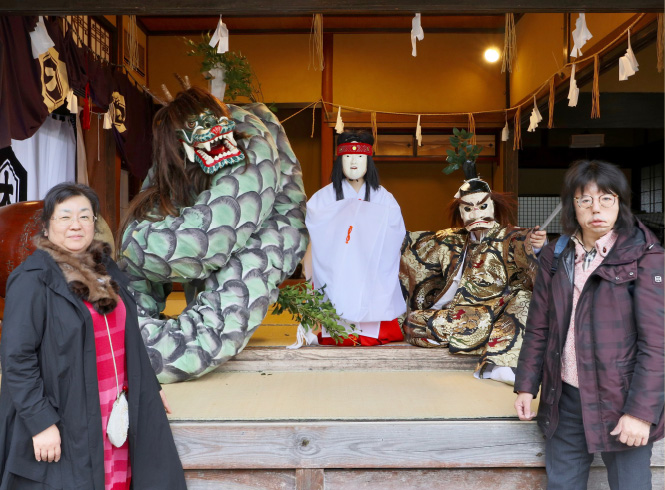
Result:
[
  {"x": 49, "y": 376},
  {"x": 618, "y": 337}
]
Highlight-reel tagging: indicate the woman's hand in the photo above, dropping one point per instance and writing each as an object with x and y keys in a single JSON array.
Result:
[
  {"x": 165, "y": 402},
  {"x": 47, "y": 445},
  {"x": 523, "y": 406},
  {"x": 632, "y": 431},
  {"x": 537, "y": 238}
]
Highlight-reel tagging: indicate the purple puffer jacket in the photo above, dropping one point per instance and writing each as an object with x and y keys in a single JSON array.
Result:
[{"x": 619, "y": 338}]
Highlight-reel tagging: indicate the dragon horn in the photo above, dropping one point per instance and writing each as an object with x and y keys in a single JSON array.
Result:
[
  {"x": 183, "y": 82},
  {"x": 167, "y": 94}
]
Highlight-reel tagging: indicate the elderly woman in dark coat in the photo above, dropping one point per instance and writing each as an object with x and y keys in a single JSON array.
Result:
[
  {"x": 70, "y": 346},
  {"x": 594, "y": 337}
]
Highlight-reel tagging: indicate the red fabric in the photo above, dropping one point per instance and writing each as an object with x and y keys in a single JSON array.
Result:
[
  {"x": 388, "y": 332},
  {"x": 116, "y": 459},
  {"x": 354, "y": 149}
]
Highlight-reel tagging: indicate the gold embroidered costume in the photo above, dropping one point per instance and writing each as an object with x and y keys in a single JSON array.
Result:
[{"x": 488, "y": 312}]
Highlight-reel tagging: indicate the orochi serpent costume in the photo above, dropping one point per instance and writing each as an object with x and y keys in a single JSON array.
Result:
[
  {"x": 233, "y": 247},
  {"x": 488, "y": 312}
]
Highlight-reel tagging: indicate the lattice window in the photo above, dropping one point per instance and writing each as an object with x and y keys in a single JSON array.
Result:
[
  {"x": 534, "y": 210},
  {"x": 89, "y": 32},
  {"x": 79, "y": 24},
  {"x": 100, "y": 40},
  {"x": 651, "y": 189}
]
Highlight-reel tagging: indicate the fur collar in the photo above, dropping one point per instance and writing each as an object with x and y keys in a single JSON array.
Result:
[{"x": 85, "y": 273}]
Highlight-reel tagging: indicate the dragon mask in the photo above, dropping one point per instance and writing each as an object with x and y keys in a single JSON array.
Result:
[{"x": 208, "y": 140}]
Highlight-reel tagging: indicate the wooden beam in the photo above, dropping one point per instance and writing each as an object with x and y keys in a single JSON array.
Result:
[
  {"x": 373, "y": 444},
  {"x": 353, "y": 119},
  {"x": 309, "y": 7},
  {"x": 338, "y": 24}
]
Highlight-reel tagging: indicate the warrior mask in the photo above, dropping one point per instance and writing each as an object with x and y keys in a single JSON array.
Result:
[
  {"x": 209, "y": 141},
  {"x": 477, "y": 211}
]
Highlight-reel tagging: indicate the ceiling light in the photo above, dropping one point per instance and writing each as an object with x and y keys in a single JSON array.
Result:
[{"x": 491, "y": 55}]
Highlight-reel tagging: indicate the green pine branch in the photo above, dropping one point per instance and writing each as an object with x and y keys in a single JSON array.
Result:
[
  {"x": 311, "y": 309},
  {"x": 462, "y": 150}
]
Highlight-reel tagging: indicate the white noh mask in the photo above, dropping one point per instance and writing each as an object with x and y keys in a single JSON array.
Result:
[
  {"x": 354, "y": 166},
  {"x": 477, "y": 211}
]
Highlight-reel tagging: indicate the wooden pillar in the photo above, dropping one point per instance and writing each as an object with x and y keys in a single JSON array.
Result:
[
  {"x": 327, "y": 137},
  {"x": 103, "y": 173},
  {"x": 509, "y": 163}
]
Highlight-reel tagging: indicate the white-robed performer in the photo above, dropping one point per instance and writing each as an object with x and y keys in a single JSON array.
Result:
[{"x": 356, "y": 230}]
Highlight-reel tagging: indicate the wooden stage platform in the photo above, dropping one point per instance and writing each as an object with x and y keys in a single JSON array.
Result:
[{"x": 337, "y": 418}]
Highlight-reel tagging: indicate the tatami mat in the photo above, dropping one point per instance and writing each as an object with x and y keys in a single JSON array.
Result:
[{"x": 337, "y": 395}]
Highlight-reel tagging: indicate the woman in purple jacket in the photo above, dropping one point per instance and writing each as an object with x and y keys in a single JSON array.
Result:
[{"x": 594, "y": 337}]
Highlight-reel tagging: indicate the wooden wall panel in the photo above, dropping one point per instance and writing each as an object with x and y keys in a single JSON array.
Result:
[
  {"x": 427, "y": 479},
  {"x": 458, "y": 479},
  {"x": 240, "y": 479}
]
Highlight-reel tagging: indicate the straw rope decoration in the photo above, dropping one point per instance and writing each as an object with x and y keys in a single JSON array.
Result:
[
  {"x": 517, "y": 137},
  {"x": 375, "y": 131},
  {"x": 509, "y": 44},
  {"x": 595, "y": 94},
  {"x": 472, "y": 128},
  {"x": 313, "y": 118},
  {"x": 550, "y": 121},
  {"x": 660, "y": 42},
  {"x": 316, "y": 43}
]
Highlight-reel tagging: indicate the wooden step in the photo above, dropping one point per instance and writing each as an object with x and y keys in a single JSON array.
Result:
[
  {"x": 349, "y": 430},
  {"x": 387, "y": 455},
  {"x": 391, "y": 357}
]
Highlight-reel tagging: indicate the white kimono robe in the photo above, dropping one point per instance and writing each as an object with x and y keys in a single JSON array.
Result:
[{"x": 356, "y": 254}]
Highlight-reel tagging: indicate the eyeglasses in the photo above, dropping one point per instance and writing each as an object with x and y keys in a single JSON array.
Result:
[
  {"x": 85, "y": 220},
  {"x": 606, "y": 201}
]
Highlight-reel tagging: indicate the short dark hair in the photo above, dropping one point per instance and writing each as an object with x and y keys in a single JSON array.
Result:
[
  {"x": 608, "y": 178},
  {"x": 371, "y": 176},
  {"x": 61, "y": 192}
]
